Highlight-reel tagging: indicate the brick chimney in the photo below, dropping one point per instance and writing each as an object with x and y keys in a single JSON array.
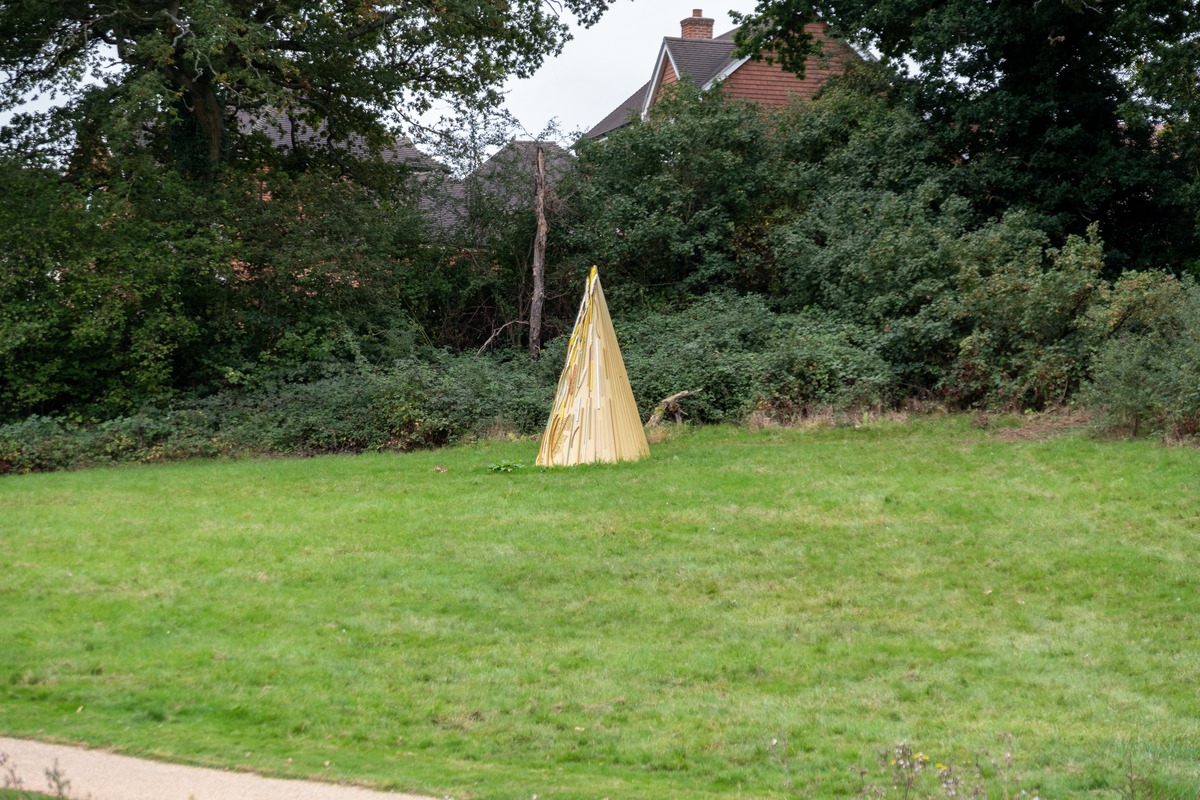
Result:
[{"x": 697, "y": 26}]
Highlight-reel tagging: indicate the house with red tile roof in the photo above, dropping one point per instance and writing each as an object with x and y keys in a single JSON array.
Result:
[{"x": 706, "y": 61}]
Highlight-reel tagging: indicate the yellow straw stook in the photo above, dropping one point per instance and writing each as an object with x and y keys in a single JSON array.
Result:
[{"x": 594, "y": 417}]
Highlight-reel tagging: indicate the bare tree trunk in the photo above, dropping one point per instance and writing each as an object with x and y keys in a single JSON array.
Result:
[
  {"x": 206, "y": 107},
  {"x": 539, "y": 255},
  {"x": 211, "y": 117}
]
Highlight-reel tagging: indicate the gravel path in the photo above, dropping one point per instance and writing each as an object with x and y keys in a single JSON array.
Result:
[{"x": 97, "y": 775}]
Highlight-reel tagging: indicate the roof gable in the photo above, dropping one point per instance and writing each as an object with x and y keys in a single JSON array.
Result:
[
  {"x": 285, "y": 132},
  {"x": 700, "y": 60},
  {"x": 708, "y": 62},
  {"x": 504, "y": 181},
  {"x": 694, "y": 60}
]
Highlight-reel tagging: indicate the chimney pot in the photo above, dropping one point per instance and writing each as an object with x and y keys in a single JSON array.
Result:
[{"x": 697, "y": 26}]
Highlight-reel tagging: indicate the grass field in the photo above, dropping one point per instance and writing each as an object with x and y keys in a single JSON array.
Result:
[{"x": 747, "y": 614}]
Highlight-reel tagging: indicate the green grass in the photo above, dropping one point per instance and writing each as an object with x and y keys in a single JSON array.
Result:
[{"x": 628, "y": 631}]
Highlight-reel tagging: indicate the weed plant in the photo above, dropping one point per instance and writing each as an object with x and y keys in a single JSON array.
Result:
[{"x": 12, "y": 787}]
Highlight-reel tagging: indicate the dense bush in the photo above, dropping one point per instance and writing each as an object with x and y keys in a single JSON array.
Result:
[
  {"x": 738, "y": 354},
  {"x": 818, "y": 362},
  {"x": 1146, "y": 374},
  {"x": 734, "y": 351},
  {"x": 415, "y": 403},
  {"x": 43, "y": 444},
  {"x": 94, "y": 305},
  {"x": 1024, "y": 307},
  {"x": 137, "y": 286},
  {"x": 714, "y": 348}
]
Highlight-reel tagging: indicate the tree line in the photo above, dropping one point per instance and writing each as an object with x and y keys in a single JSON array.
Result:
[{"x": 1000, "y": 215}]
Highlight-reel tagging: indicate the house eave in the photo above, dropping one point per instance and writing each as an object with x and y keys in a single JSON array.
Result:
[
  {"x": 656, "y": 77},
  {"x": 725, "y": 73}
]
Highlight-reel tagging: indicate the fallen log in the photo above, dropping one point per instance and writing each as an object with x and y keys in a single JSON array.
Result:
[{"x": 668, "y": 405}]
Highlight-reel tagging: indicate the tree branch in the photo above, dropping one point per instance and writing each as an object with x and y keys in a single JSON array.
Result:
[
  {"x": 370, "y": 27},
  {"x": 497, "y": 332}
]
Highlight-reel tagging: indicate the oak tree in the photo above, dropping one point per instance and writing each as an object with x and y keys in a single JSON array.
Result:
[{"x": 342, "y": 64}]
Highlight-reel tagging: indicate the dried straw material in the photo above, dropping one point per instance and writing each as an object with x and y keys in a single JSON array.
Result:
[{"x": 594, "y": 417}]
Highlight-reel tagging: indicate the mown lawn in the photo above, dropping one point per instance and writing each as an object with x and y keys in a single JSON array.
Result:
[{"x": 747, "y": 614}]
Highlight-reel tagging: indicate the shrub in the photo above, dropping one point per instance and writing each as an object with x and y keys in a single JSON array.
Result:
[
  {"x": 36, "y": 444},
  {"x": 738, "y": 354},
  {"x": 820, "y": 362},
  {"x": 342, "y": 413},
  {"x": 714, "y": 348},
  {"x": 43, "y": 444},
  {"x": 1026, "y": 308},
  {"x": 1146, "y": 374},
  {"x": 415, "y": 403},
  {"x": 477, "y": 393}
]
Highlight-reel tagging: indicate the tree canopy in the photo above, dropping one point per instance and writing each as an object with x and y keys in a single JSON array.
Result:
[
  {"x": 342, "y": 64},
  {"x": 1056, "y": 106}
]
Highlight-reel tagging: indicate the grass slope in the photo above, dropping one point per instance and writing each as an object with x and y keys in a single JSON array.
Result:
[{"x": 744, "y": 615}]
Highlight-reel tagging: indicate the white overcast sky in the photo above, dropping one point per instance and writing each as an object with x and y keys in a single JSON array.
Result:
[{"x": 604, "y": 64}]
